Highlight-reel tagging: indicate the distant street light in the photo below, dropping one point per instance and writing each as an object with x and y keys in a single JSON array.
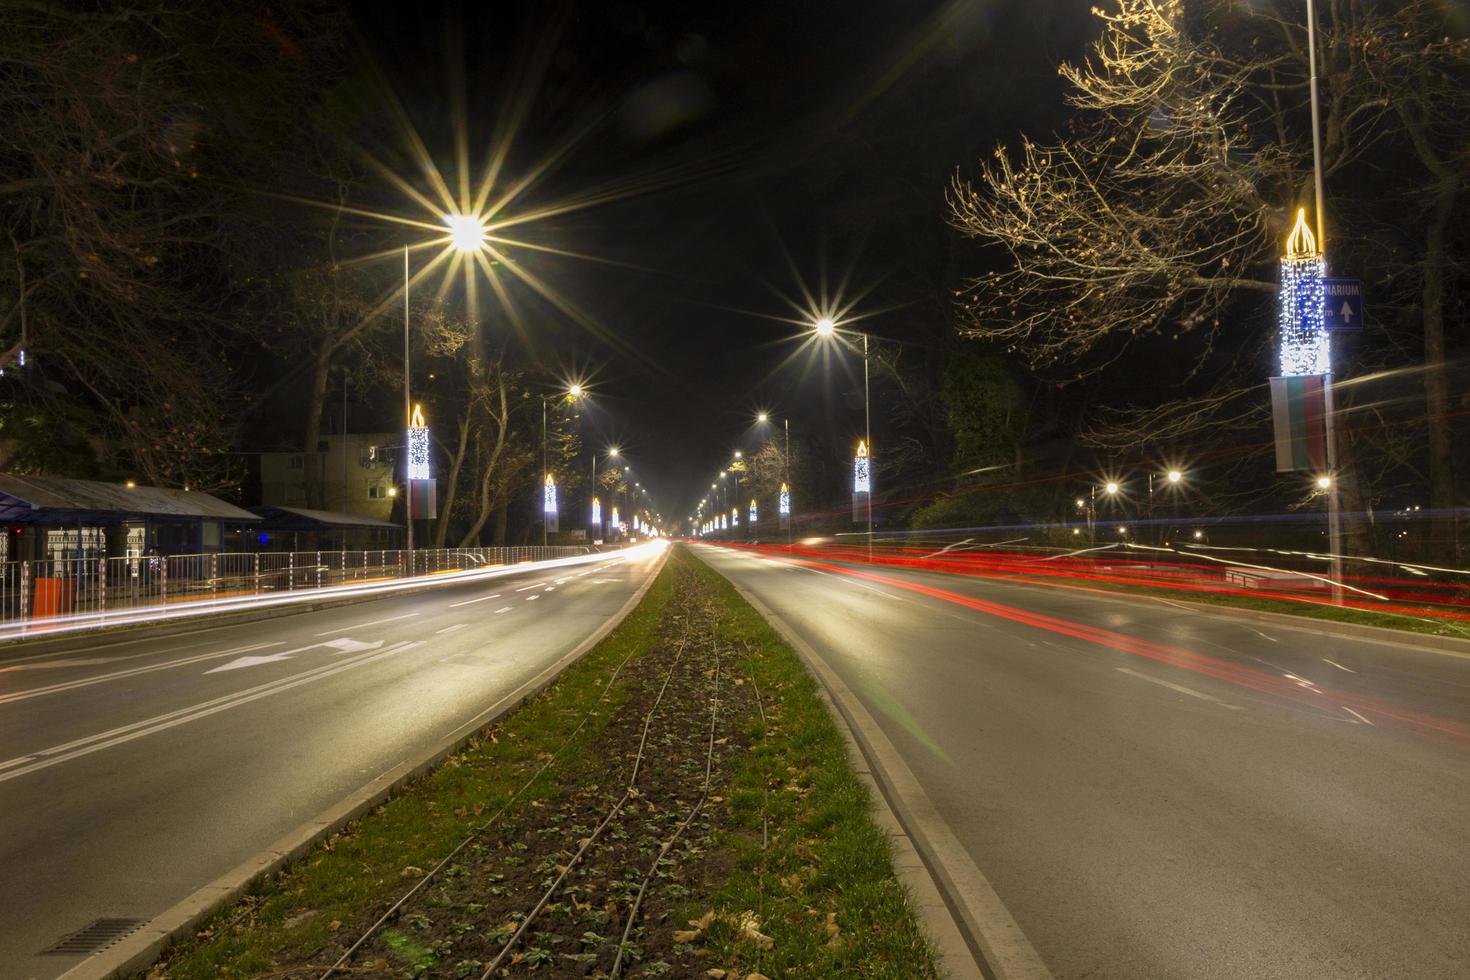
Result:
[{"x": 1111, "y": 488}]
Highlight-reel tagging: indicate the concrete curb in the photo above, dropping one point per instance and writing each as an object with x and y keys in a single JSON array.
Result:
[
  {"x": 140, "y": 949},
  {"x": 973, "y": 933}
]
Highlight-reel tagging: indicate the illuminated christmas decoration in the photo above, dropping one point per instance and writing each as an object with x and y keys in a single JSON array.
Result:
[
  {"x": 418, "y": 445},
  {"x": 722, "y": 522},
  {"x": 861, "y": 482},
  {"x": 615, "y": 516},
  {"x": 752, "y": 510},
  {"x": 548, "y": 495},
  {"x": 596, "y": 512},
  {"x": 734, "y": 516},
  {"x": 1305, "y": 347},
  {"x": 783, "y": 502}
]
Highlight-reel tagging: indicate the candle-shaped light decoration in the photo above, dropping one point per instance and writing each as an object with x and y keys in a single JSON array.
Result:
[
  {"x": 783, "y": 502},
  {"x": 418, "y": 445},
  {"x": 752, "y": 510},
  {"x": 596, "y": 512},
  {"x": 1304, "y": 344},
  {"x": 548, "y": 495},
  {"x": 861, "y": 481}
]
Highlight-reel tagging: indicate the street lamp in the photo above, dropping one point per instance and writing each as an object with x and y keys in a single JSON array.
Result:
[{"x": 824, "y": 327}]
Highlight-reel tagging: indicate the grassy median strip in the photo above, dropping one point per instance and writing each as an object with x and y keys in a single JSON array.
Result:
[{"x": 704, "y": 822}]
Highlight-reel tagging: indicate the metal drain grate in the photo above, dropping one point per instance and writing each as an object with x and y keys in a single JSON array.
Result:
[{"x": 94, "y": 938}]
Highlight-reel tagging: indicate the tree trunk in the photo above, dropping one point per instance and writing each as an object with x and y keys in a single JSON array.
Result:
[
  {"x": 311, "y": 460},
  {"x": 1443, "y": 523},
  {"x": 487, "y": 476},
  {"x": 451, "y": 486},
  {"x": 501, "y": 514}
]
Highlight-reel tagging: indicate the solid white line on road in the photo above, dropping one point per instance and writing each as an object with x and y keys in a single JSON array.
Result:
[
  {"x": 450, "y": 629},
  {"x": 1338, "y": 665},
  {"x": 1178, "y": 687},
  {"x": 1356, "y": 715},
  {"x": 501, "y": 610},
  {"x": 533, "y": 585},
  {"x": 126, "y": 733},
  {"x": 375, "y": 622},
  {"x": 132, "y": 671},
  {"x": 456, "y": 605}
]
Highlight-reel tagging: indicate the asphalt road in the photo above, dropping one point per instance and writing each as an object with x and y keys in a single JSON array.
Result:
[
  {"x": 1153, "y": 792},
  {"x": 133, "y": 773}
]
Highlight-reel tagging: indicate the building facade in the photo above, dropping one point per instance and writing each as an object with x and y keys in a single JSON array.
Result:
[{"x": 357, "y": 474}]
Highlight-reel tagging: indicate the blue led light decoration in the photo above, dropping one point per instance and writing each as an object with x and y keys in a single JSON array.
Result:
[
  {"x": 418, "y": 445},
  {"x": 783, "y": 501},
  {"x": 1305, "y": 346},
  {"x": 752, "y": 510},
  {"x": 861, "y": 482}
]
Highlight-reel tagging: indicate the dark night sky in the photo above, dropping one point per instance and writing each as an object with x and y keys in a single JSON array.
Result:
[{"x": 824, "y": 130}]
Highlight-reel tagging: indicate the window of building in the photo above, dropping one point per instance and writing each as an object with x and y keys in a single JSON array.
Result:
[{"x": 294, "y": 463}]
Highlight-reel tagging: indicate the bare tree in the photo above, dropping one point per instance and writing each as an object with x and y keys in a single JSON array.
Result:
[{"x": 1161, "y": 210}]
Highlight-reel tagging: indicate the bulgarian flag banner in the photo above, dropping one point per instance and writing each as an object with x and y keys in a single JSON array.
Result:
[{"x": 1299, "y": 409}]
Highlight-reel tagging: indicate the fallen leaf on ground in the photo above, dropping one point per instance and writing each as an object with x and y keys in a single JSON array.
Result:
[
  {"x": 686, "y": 935},
  {"x": 832, "y": 928},
  {"x": 715, "y": 974},
  {"x": 412, "y": 872}
]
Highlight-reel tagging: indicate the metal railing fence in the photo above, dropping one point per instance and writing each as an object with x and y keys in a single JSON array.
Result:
[{"x": 51, "y": 588}]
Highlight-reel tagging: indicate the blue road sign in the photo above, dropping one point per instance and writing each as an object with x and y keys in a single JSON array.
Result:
[{"x": 1344, "y": 307}]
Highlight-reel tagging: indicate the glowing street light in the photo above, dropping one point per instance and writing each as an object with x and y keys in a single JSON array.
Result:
[
  {"x": 466, "y": 232},
  {"x": 763, "y": 418},
  {"x": 824, "y": 327},
  {"x": 1324, "y": 482},
  {"x": 1174, "y": 476},
  {"x": 1111, "y": 488}
]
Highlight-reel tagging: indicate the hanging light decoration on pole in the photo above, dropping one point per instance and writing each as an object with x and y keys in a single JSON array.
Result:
[
  {"x": 596, "y": 513},
  {"x": 752, "y": 512},
  {"x": 422, "y": 502},
  {"x": 548, "y": 504},
  {"x": 862, "y": 483},
  {"x": 783, "y": 506}
]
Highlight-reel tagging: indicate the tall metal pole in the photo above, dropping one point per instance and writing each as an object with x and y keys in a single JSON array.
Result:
[
  {"x": 407, "y": 423},
  {"x": 543, "y": 466},
  {"x": 868, "y": 438},
  {"x": 1334, "y": 501},
  {"x": 786, "y": 467}
]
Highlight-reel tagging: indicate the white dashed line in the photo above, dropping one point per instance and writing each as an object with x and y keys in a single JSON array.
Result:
[
  {"x": 532, "y": 598},
  {"x": 450, "y": 629},
  {"x": 375, "y": 622},
  {"x": 501, "y": 610},
  {"x": 456, "y": 605},
  {"x": 1177, "y": 687},
  {"x": 1338, "y": 665},
  {"x": 549, "y": 588}
]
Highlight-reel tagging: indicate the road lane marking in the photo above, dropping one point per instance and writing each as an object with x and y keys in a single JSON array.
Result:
[
  {"x": 1178, "y": 687},
  {"x": 549, "y": 588},
  {"x": 57, "y": 754},
  {"x": 501, "y": 610},
  {"x": 1338, "y": 665},
  {"x": 132, "y": 672},
  {"x": 1264, "y": 636},
  {"x": 532, "y": 598},
  {"x": 1356, "y": 715},
  {"x": 450, "y": 629},
  {"x": 343, "y": 644},
  {"x": 375, "y": 622},
  {"x": 533, "y": 585},
  {"x": 456, "y": 605}
]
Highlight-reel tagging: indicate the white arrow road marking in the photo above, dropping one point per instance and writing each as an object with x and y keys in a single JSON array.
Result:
[
  {"x": 456, "y": 605},
  {"x": 343, "y": 644},
  {"x": 1356, "y": 715},
  {"x": 133, "y": 671},
  {"x": 1178, "y": 687},
  {"x": 77, "y": 748},
  {"x": 375, "y": 622}
]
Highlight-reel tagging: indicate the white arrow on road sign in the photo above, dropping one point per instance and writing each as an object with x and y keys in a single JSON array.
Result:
[
  {"x": 1347, "y": 313},
  {"x": 342, "y": 645}
]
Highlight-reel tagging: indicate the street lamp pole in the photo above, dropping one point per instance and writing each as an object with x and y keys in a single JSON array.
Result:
[
  {"x": 407, "y": 423},
  {"x": 786, "y": 470},
  {"x": 868, "y": 437}
]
